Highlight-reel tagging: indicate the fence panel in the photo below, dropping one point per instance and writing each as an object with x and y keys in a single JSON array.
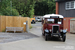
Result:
[
  {"x": 3, "y": 23},
  {"x": 17, "y": 22},
  {"x": 22, "y": 23},
  {"x": 13, "y": 21},
  {"x": 0, "y": 23},
  {"x": 29, "y": 22},
  {"x": 9, "y": 21}
]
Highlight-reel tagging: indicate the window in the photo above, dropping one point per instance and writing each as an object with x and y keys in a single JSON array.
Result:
[
  {"x": 51, "y": 21},
  {"x": 70, "y": 5}
]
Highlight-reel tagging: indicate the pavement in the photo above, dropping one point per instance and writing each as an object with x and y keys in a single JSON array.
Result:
[{"x": 39, "y": 43}]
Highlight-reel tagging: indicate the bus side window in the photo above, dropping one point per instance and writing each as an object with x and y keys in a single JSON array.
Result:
[{"x": 59, "y": 21}]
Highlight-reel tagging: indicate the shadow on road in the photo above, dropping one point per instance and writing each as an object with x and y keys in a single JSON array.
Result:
[{"x": 54, "y": 39}]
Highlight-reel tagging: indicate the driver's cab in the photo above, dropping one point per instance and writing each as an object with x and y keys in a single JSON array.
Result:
[{"x": 53, "y": 21}]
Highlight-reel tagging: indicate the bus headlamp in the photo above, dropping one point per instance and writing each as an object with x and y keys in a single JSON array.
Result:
[
  {"x": 46, "y": 30},
  {"x": 61, "y": 30},
  {"x": 50, "y": 30}
]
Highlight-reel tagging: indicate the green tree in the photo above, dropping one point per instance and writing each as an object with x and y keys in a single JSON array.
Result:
[
  {"x": 5, "y": 8},
  {"x": 24, "y": 7},
  {"x": 44, "y": 7},
  {"x": 27, "y": 8}
]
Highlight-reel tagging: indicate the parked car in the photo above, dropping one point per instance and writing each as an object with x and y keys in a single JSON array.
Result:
[
  {"x": 33, "y": 20},
  {"x": 38, "y": 19},
  {"x": 52, "y": 25}
]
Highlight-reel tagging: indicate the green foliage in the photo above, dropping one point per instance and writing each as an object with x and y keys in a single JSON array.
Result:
[
  {"x": 15, "y": 12},
  {"x": 6, "y": 9},
  {"x": 31, "y": 27},
  {"x": 1, "y": 14},
  {"x": 27, "y": 8},
  {"x": 24, "y": 7},
  {"x": 3, "y": 30},
  {"x": 45, "y": 7}
]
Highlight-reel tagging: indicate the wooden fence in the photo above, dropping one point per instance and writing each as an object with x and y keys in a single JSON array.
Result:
[{"x": 13, "y": 21}]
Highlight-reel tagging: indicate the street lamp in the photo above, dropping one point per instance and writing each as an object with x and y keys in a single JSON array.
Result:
[
  {"x": 0, "y": 0},
  {"x": 11, "y": 7}
]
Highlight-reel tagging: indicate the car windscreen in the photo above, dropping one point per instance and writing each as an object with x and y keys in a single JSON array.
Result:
[
  {"x": 58, "y": 21},
  {"x": 50, "y": 21},
  {"x": 54, "y": 21},
  {"x": 38, "y": 18}
]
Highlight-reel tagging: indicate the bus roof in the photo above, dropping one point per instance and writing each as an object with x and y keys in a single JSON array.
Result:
[{"x": 53, "y": 16}]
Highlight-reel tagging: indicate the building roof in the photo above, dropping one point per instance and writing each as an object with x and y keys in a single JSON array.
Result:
[{"x": 52, "y": 15}]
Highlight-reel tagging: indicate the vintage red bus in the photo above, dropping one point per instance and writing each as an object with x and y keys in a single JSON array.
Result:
[{"x": 52, "y": 25}]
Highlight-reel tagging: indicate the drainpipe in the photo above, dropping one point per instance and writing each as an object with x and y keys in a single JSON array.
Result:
[{"x": 57, "y": 8}]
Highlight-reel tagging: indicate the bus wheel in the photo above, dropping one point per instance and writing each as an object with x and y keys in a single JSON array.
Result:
[
  {"x": 46, "y": 37},
  {"x": 64, "y": 38},
  {"x": 43, "y": 34}
]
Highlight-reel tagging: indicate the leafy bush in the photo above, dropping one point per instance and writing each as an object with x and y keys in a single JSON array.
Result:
[
  {"x": 1, "y": 14},
  {"x": 31, "y": 27},
  {"x": 5, "y": 8},
  {"x": 24, "y": 7},
  {"x": 3, "y": 30},
  {"x": 10, "y": 11},
  {"x": 15, "y": 12},
  {"x": 45, "y": 7}
]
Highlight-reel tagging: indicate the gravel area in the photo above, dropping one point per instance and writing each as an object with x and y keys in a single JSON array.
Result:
[{"x": 9, "y": 37}]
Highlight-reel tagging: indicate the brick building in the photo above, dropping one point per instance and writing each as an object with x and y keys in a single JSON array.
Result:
[{"x": 67, "y": 9}]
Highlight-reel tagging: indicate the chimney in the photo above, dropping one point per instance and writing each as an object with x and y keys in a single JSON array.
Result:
[{"x": 57, "y": 8}]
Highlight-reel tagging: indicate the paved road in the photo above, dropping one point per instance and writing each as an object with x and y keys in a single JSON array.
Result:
[
  {"x": 55, "y": 43},
  {"x": 11, "y": 37},
  {"x": 39, "y": 43}
]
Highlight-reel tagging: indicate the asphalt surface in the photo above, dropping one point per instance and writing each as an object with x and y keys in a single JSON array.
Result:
[
  {"x": 39, "y": 43},
  {"x": 10, "y": 37},
  {"x": 69, "y": 44}
]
